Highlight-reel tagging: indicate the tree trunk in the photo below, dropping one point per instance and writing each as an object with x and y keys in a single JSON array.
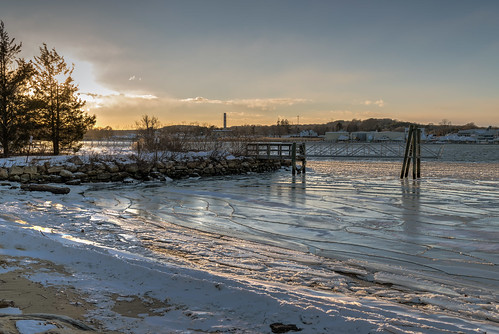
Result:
[
  {"x": 57, "y": 126},
  {"x": 5, "y": 145},
  {"x": 5, "y": 142},
  {"x": 55, "y": 145}
]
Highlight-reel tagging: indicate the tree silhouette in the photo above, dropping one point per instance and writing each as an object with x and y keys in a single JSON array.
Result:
[
  {"x": 60, "y": 115},
  {"x": 147, "y": 128},
  {"x": 14, "y": 74}
]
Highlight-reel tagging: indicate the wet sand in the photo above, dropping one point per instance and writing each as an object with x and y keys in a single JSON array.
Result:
[{"x": 60, "y": 308}]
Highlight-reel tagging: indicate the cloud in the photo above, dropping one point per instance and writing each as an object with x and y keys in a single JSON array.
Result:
[
  {"x": 133, "y": 78},
  {"x": 201, "y": 99},
  {"x": 92, "y": 95},
  {"x": 263, "y": 104},
  {"x": 139, "y": 96},
  {"x": 380, "y": 103}
]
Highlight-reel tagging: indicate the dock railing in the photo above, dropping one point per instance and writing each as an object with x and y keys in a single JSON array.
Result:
[{"x": 279, "y": 151}]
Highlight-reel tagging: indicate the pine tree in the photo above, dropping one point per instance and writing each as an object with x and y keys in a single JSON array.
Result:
[
  {"x": 14, "y": 75},
  {"x": 60, "y": 113}
]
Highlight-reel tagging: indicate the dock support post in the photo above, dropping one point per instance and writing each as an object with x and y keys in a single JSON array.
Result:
[
  {"x": 406, "y": 162},
  {"x": 418, "y": 153},
  {"x": 293, "y": 158},
  {"x": 303, "y": 157},
  {"x": 412, "y": 152}
]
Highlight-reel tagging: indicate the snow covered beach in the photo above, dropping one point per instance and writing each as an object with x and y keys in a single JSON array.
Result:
[{"x": 348, "y": 248}]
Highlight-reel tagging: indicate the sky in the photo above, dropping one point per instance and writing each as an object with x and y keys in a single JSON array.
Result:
[{"x": 307, "y": 61}]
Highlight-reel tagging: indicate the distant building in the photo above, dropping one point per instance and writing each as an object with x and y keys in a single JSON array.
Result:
[
  {"x": 479, "y": 135},
  {"x": 364, "y": 136},
  {"x": 308, "y": 133},
  {"x": 224, "y": 131},
  {"x": 389, "y": 136},
  {"x": 337, "y": 136}
]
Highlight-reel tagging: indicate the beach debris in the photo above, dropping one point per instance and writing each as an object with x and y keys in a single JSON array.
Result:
[
  {"x": 45, "y": 187},
  {"x": 278, "y": 327},
  {"x": 6, "y": 303}
]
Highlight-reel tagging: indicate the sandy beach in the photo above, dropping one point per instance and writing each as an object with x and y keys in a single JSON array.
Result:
[
  {"x": 45, "y": 306},
  {"x": 58, "y": 308}
]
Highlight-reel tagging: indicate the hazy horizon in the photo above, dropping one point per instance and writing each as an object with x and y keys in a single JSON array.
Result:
[{"x": 319, "y": 61}]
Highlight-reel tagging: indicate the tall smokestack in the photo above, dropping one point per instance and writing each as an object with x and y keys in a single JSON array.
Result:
[{"x": 225, "y": 121}]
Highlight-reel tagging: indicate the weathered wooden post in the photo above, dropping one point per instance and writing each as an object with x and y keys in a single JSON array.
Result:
[
  {"x": 293, "y": 158},
  {"x": 412, "y": 152},
  {"x": 418, "y": 153},
  {"x": 303, "y": 154},
  {"x": 406, "y": 162}
]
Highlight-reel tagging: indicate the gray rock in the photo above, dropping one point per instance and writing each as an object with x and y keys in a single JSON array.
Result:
[
  {"x": 104, "y": 177},
  {"x": 66, "y": 174},
  {"x": 132, "y": 168},
  {"x": 54, "y": 169},
  {"x": 25, "y": 178},
  {"x": 16, "y": 170},
  {"x": 76, "y": 160},
  {"x": 15, "y": 178},
  {"x": 74, "y": 182},
  {"x": 112, "y": 168},
  {"x": 71, "y": 167},
  {"x": 4, "y": 173},
  {"x": 31, "y": 170}
]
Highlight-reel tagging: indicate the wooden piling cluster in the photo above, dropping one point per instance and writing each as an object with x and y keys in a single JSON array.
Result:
[{"x": 412, "y": 152}]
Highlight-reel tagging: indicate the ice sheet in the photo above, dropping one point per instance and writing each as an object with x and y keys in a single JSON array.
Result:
[{"x": 348, "y": 227}]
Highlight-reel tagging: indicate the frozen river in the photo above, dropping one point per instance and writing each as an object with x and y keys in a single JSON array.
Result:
[
  {"x": 349, "y": 227},
  {"x": 433, "y": 243}
]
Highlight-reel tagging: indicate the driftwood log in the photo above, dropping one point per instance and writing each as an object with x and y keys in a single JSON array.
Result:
[{"x": 44, "y": 187}]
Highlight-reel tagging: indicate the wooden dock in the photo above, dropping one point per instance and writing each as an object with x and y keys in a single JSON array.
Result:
[{"x": 280, "y": 151}]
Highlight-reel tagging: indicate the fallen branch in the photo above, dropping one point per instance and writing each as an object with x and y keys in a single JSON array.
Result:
[{"x": 44, "y": 187}]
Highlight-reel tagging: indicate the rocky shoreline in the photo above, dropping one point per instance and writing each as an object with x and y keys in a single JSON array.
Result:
[{"x": 75, "y": 170}]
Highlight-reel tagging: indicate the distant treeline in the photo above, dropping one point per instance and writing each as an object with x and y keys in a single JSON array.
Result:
[
  {"x": 39, "y": 101},
  {"x": 284, "y": 128}
]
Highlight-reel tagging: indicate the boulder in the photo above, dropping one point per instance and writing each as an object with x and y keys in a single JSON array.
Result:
[
  {"x": 4, "y": 173},
  {"x": 105, "y": 177},
  {"x": 159, "y": 165},
  {"x": 76, "y": 160},
  {"x": 72, "y": 168},
  {"x": 132, "y": 168},
  {"x": 31, "y": 170},
  {"x": 112, "y": 168},
  {"x": 98, "y": 166},
  {"x": 74, "y": 182},
  {"x": 54, "y": 169},
  {"x": 25, "y": 178},
  {"x": 66, "y": 174},
  {"x": 233, "y": 163},
  {"x": 15, "y": 178},
  {"x": 93, "y": 172},
  {"x": 16, "y": 170}
]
